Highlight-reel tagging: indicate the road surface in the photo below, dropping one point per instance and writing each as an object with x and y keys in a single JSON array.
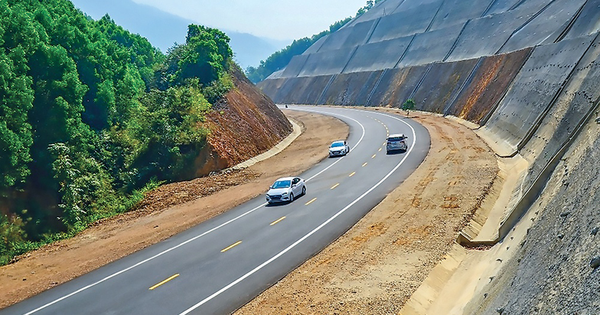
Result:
[{"x": 223, "y": 263}]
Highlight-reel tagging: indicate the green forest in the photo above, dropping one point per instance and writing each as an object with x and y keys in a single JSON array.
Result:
[
  {"x": 93, "y": 116},
  {"x": 281, "y": 58}
]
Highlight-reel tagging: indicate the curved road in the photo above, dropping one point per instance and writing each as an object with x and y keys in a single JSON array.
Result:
[{"x": 220, "y": 265}]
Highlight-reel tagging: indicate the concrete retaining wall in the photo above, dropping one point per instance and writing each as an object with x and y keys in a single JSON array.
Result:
[
  {"x": 430, "y": 47},
  {"x": 487, "y": 86},
  {"x": 377, "y": 56},
  {"x": 455, "y": 12},
  {"x": 546, "y": 27},
  {"x": 532, "y": 92},
  {"x": 441, "y": 84},
  {"x": 573, "y": 104}
]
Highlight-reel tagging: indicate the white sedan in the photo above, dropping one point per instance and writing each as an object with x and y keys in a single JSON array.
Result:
[
  {"x": 338, "y": 148},
  {"x": 285, "y": 189}
]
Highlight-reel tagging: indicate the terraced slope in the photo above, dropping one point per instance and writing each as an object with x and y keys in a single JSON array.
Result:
[{"x": 526, "y": 72}]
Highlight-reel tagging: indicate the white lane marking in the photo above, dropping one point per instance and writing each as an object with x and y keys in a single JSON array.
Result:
[
  {"x": 191, "y": 309},
  {"x": 187, "y": 241}
]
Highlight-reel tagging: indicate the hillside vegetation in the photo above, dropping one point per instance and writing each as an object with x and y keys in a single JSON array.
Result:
[{"x": 93, "y": 115}]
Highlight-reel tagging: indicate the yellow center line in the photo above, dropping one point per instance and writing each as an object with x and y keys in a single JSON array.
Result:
[
  {"x": 311, "y": 201},
  {"x": 277, "y": 221},
  {"x": 351, "y": 174},
  {"x": 380, "y": 149},
  {"x": 365, "y": 164},
  {"x": 374, "y": 155},
  {"x": 231, "y": 246},
  {"x": 334, "y": 186},
  {"x": 163, "y": 282}
]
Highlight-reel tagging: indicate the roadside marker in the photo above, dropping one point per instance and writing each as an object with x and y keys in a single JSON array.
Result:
[
  {"x": 163, "y": 282},
  {"x": 231, "y": 246}
]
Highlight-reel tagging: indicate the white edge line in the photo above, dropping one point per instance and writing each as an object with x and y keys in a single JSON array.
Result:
[{"x": 309, "y": 233}]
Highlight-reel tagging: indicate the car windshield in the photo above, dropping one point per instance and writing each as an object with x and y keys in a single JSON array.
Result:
[
  {"x": 337, "y": 144},
  {"x": 395, "y": 138},
  {"x": 282, "y": 184}
]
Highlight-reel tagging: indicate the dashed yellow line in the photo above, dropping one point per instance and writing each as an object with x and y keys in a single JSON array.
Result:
[
  {"x": 380, "y": 149},
  {"x": 277, "y": 221},
  {"x": 334, "y": 186},
  {"x": 311, "y": 201},
  {"x": 374, "y": 155},
  {"x": 351, "y": 174},
  {"x": 163, "y": 282},
  {"x": 365, "y": 164},
  {"x": 231, "y": 246}
]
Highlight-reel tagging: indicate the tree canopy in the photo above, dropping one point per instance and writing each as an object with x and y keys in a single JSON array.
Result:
[{"x": 92, "y": 115}]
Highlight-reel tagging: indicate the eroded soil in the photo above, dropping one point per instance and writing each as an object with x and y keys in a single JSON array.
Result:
[{"x": 372, "y": 269}]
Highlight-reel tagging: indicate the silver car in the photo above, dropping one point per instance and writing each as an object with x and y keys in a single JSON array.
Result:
[
  {"x": 338, "y": 148},
  {"x": 286, "y": 189},
  {"x": 396, "y": 142}
]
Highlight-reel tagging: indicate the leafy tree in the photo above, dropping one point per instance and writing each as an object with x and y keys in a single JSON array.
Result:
[
  {"x": 408, "y": 105},
  {"x": 92, "y": 114}
]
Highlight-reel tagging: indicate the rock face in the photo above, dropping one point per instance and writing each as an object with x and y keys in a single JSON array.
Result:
[
  {"x": 527, "y": 72},
  {"x": 242, "y": 125}
]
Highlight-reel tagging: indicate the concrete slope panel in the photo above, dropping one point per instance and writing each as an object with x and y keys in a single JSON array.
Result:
[
  {"x": 489, "y": 83},
  {"x": 351, "y": 88},
  {"x": 312, "y": 89},
  {"x": 430, "y": 46},
  {"x": 441, "y": 84},
  {"x": 404, "y": 23},
  {"x": 299, "y": 90},
  {"x": 455, "y": 12},
  {"x": 485, "y": 36},
  {"x": 574, "y": 103},
  {"x": 294, "y": 66},
  {"x": 316, "y": 46},
  {"x": 324, "y": 63},
  {"x": 533, "y": 90},
  {"x": 377, "y": 56},
  {"x": 271, "y": 87},
  {"x": 347, "y": 37},
  {"x": 546, "y": 27},
  {"x": 396, "y": 86},
  {"x": 501, "y": 6},
  {"x": 588, "y": 21},
  {"x": 381, "y": 9}
]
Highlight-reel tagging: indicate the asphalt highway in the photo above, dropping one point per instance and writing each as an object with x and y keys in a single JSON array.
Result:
[{"x": 223, "y": 263}]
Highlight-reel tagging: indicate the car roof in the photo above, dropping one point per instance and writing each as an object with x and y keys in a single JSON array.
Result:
[
  {"x": 285, "y": 178},
  {"x": 338, "y": 141},
  {"x": 397, "y": 135}
]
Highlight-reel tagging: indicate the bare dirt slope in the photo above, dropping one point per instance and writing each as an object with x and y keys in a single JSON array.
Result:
[{"x": 372, "y": 269}]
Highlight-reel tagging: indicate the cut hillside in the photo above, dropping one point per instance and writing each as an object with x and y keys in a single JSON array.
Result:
[{"x": 525, "y": 75}]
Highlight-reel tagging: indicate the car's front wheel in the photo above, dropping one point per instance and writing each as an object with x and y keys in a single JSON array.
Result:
[
  {"x": 291, "y": 197},
  {"x": 303, "y": 190}
]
